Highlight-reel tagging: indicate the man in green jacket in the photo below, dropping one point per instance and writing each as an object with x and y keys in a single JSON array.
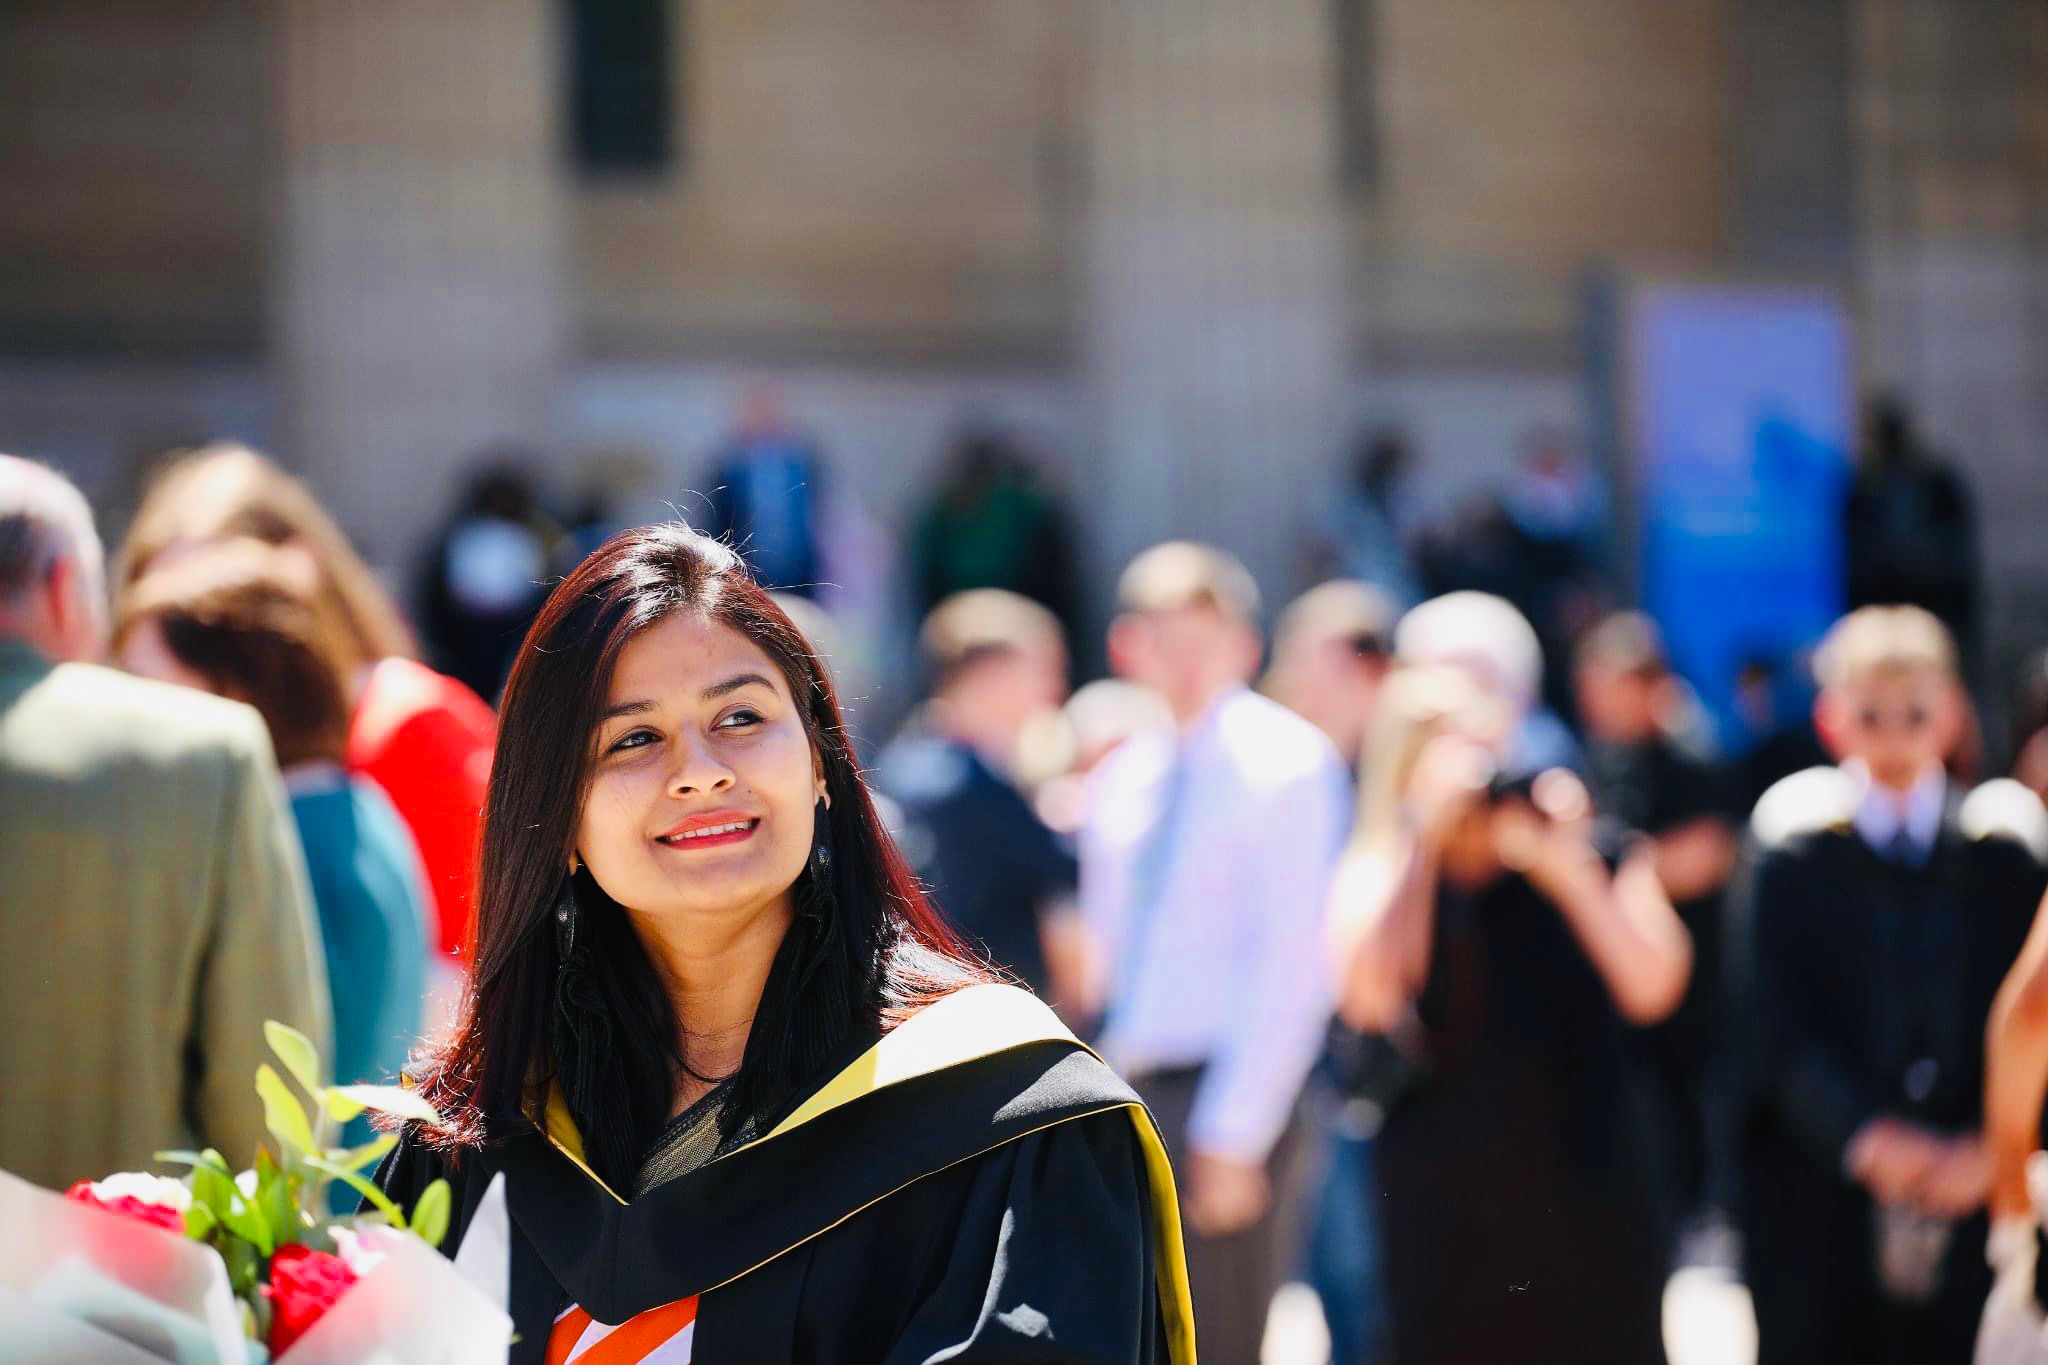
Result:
[{"x": 154, "y": 909}]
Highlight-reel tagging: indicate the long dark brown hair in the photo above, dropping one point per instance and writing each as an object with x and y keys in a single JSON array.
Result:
[{"x": 878, "y": 954}]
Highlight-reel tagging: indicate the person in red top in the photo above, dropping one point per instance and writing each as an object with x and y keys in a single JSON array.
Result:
[
  {"x": 426, "y": 740},
  {"x": 422, "y": 736}
]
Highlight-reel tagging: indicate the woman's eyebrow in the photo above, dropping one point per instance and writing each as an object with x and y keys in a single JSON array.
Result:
[
  {"x": 625, "y": 708},
  {"x": 734, "y": 684}
]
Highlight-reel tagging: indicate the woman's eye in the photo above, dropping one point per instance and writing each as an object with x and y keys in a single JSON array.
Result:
[
  {"x": 739, "y": 719},
  {"x": 637, "y": 739}
]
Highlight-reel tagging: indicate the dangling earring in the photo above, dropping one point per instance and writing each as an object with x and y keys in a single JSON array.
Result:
[
  {"x": 581, "y": 1035},
  {"x": 565, "y": 919},
  {"x": 820, "y": 985},
  {"x": 817, "y": 898}
]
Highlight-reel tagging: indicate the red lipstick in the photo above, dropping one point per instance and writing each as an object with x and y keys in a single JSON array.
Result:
[{"x": 710, "y": 830}]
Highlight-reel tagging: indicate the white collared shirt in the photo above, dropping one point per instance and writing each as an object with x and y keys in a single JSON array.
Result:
[
  {"x": 1881, "y": 812},
  {"x": 1216, "y": 949}
]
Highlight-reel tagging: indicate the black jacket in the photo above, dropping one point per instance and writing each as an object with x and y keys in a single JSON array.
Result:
[
  {"x": 1867, "y": 985},
  {"x": 1863, "y": 987}
]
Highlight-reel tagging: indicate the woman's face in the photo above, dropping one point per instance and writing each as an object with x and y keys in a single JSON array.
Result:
[{"x": 703, "y": 784}]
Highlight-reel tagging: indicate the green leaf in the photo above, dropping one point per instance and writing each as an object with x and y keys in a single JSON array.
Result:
[
  {"x": 247, "y": 1222},
  {"x": 245, "y": 1266},
  {"x": 275, "y": 1199},
  {"x": 283, "y": 1115},
  {"x": 296, "y": 1051},
  {"x": 216, "y": 1193},
  {"x": 200, "y": 1222},
  {"x": 369, "y": 1154},
  {"x": 281, "y": 1211},
  {"x": 209, "y": 1159},
  {"x": 378, "y": 1199},
  {"x": 430, "y": 1213},
  {"x": 389, "y": 1099},
  {"x": 213, "y": 1190}
]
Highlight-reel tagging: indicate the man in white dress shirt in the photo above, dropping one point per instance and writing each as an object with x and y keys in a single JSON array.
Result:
[{"x": 1205, "y": 861}]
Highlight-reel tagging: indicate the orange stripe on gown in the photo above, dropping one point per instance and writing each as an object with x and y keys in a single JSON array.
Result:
[{"x": 626, "y": 1345}]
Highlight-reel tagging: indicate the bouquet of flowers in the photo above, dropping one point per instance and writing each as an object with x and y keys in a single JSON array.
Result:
[{"x": 221, "y": 1267}]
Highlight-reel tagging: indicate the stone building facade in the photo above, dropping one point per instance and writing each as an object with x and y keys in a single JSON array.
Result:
[{"x": 1188, "y": 244}]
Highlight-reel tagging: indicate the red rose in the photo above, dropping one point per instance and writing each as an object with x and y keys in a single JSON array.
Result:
[
  {"x": 128, "y": 1206},
  {"x": 303, "y": 1285}
]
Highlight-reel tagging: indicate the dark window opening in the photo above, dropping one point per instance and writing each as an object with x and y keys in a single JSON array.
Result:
[
  {"x": 622, "y": 87},
  {"x": 1358, "y": 130}
]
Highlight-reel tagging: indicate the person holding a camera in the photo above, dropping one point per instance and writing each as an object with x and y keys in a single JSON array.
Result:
[{"x": 1481, "y": 926}]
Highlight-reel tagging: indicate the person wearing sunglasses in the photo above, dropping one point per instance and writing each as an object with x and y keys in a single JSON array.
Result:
[{"x": 1880, "y": 907}]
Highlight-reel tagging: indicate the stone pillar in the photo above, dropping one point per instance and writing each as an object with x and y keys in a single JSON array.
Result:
[
  {"x": 419, "y": 293},
  {"x": 1951, "y": 116},
  {"x": 1791, "y": 152},
  {"x": 1213, "y": 274}
]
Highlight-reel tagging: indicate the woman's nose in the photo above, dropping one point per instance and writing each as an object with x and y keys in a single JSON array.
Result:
[{"x": 699, "y": 771}]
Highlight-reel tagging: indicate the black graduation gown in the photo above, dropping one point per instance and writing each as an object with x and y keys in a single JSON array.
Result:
[
  {"x": 1864, "y": 987},
  {"x": 974, "y": 1186}
]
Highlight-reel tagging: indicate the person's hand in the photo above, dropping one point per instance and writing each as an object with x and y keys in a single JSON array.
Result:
[
  {"x": 1694, "y": 859},
  {"x": 1449, "y": 778},
  {"x": 1225, "y": 1195},
  {"x": 1958, "y": 1181},
  {"x": 1893, "y": 1159},
  {"x": 1549, "y": 837}
]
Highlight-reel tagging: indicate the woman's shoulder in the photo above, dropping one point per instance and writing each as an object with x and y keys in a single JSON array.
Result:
[
  {"x": 986, "y": 1024},
  {"x": 988, "y": 1078},
  {"x": 1098, "y": 1156},
  {"x": 974, "y": 1071},
  {"x": 1090, "y": 1167}
]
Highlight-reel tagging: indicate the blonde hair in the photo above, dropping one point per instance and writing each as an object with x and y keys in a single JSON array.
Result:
[
  {"x": 224, "y": 490},
  {"x": 978, "y": 623},
  {"x": 1185, "y": 573},
  {"x": 1419, "y": 703},
  {"x": 1343, "y": 610},
  {"x": 1875, "y": 642}
]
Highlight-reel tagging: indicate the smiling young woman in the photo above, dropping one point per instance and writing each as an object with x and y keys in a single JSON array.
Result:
[{"x": 751, "y": 1099}]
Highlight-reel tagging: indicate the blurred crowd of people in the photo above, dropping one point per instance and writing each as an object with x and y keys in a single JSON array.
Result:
[{"x": 1469, "y": 973}]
